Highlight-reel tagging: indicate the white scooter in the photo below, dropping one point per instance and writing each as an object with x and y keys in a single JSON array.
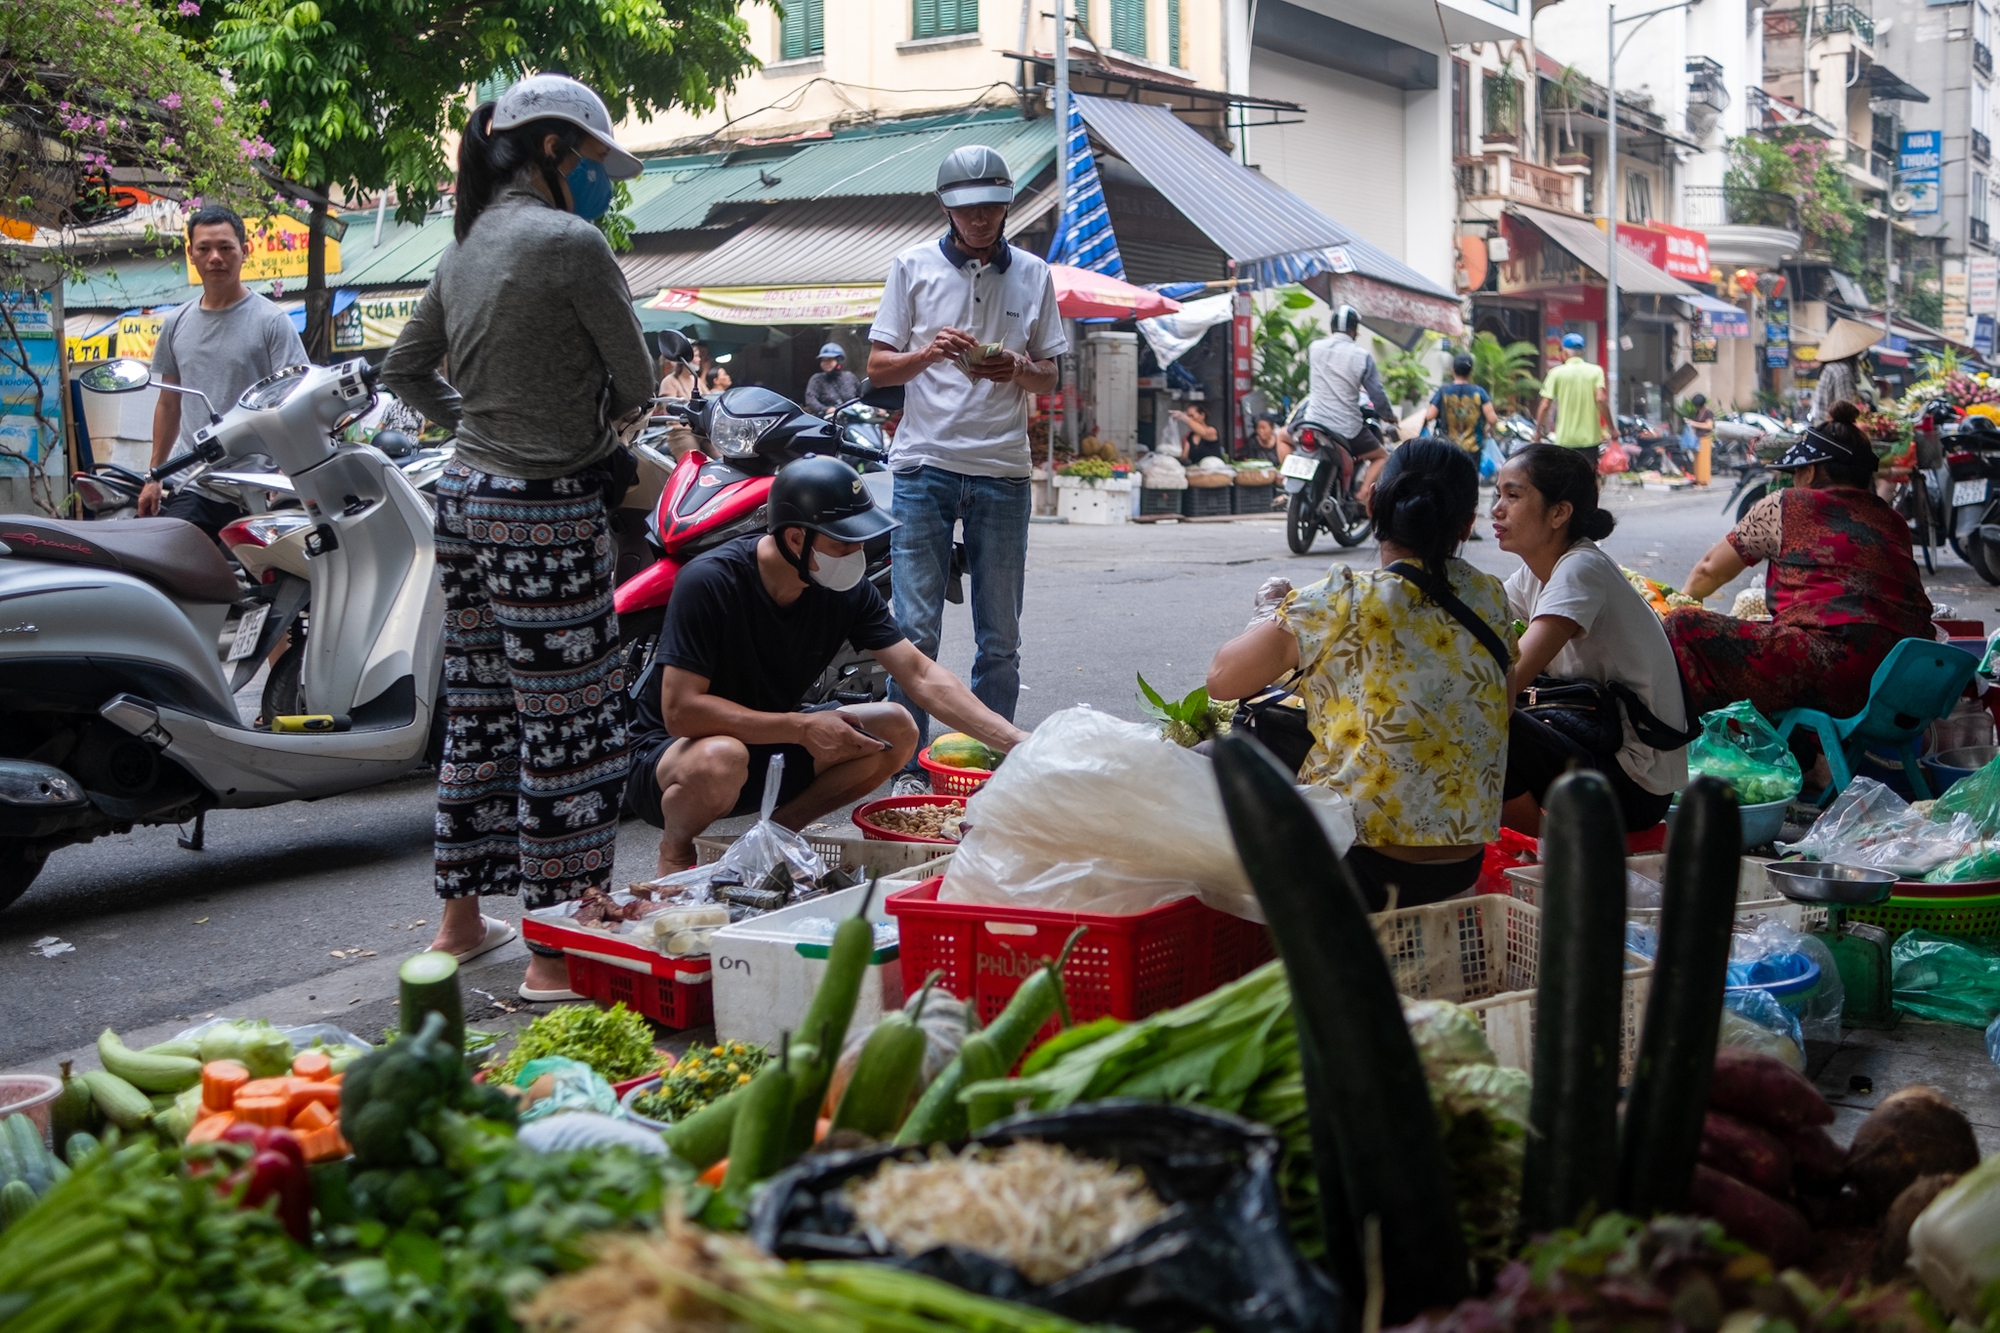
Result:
[{"x": 115, "y": 697}]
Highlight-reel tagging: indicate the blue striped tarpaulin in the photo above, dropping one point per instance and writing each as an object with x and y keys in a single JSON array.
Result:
[{"x": 1084, "y": 238}]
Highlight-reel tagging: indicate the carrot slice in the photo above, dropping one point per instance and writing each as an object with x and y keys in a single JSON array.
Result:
[
  {"x": 303, "y": 1092},
  {"x": 221, "y": 1080},
  {"x": 313, "y": 1115},
  {"x": 713, "y": 1176},
  {"x": 314, "y": 1065},
  {"x": 262, "y": 1110},
  {"x": 209, "y": 1128},
  {"x": 269, "y": 1087},
  {"x": 322, "y": 1145}
]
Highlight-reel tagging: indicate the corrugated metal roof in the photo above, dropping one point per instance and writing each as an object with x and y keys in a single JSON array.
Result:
[
  {"x": 891, "y": 163},
  {"x": 803, "y": 244},
  {"x": 130, "y": 284},
  {"x": 407, "y": 256},
  {"x": 647, "y": 264},
  {"x": 678, "y": 198},
  {"x": 1582, "y": 238}
]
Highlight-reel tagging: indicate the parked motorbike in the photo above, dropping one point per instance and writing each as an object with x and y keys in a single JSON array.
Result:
[
  {"x": 717, "y": 492},
  {"x": 115, "y": 700},
  {"x": 1923, "y": 492},
  {"x": 1322, "y": 482},
  {"x": 1652, "y": 448},
  {"x": 1750, "y": 442},
  {"x": 1973, "y": 457}
]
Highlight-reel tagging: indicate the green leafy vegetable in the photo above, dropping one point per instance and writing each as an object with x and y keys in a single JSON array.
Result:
[
  {"x": 698, "y": 1078},
  {"x": 1188, "y": 722},
  {"x": 616, "y": 1042}
]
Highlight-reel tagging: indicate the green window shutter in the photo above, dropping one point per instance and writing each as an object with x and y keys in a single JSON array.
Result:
[
  {"x": 943, "y": 18},
  {"x": 1174, "y": 33},
  {"x": 924, "y": 18},
  {"x": 1128, "y": 26},
  {"x": 802, "y": 32},
  {"x": 1083, "y": 15}
]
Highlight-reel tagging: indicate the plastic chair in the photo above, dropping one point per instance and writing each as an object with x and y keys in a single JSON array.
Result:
[{"x": 1918, "y": 683}]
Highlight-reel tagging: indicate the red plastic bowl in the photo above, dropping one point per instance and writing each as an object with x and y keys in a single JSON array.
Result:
[
  {"x": 863, "y": 817},
  {"x": 949, "y": 781}
]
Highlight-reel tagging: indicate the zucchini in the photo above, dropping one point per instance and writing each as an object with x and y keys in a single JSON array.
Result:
[
  {"x": 148, "y": 1073},
  {"x": 759, "y": 1143},
  {"x": 16, "y": 1201},
  {"x": 28, "y": 1151},
  {"x": 886, "y": 1072},
  {"x": 702, "y": 1139},
  {"x": 983, "y": 1061},
  {"x": 72, "y": 1111},
  {"x": 11, "y": 1165},
  {"x": 79, "y": 1145},
  {"x": 826, "y": 1019},
  {"x": 1375, "y": 1140},
  {"x": 429, "y": 984},
  {"x": 188, "y": 1050},
  {"x": 1661, "y": 1137},
  {"x": 122, "y": 1104},
  {"x": 1039, "y": 999},
  {"x": 1572, "y": 1155}
]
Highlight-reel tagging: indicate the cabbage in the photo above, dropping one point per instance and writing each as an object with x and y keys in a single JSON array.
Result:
[
  {"x": 1955, "y": 1245},
  {"x": 1447, "y": 1035},
  {"x": 252, "y": 1043}
]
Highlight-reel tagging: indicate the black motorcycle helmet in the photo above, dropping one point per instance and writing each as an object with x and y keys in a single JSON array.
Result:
[{"x": 825, "y": 496}]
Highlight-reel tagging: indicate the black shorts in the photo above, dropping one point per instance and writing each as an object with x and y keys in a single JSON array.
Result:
[
  {"x": 1538, "y": 754},
  {"x": 1417, "y": 883},
  {"x": 642, "y": 784},
  {"x": 191, "y": 506}
]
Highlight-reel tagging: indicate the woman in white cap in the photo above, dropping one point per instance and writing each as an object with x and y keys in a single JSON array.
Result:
[{"x": 531, "y": 315}]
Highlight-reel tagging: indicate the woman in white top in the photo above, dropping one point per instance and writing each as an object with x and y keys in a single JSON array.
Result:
[{"x": 1585, "y": 622}]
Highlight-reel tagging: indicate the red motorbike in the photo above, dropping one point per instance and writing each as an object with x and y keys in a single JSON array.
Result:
[{"x": 717, "y": 493}]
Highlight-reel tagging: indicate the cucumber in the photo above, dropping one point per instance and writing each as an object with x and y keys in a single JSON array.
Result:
[
  {"x": 26, "y": 1141},
  {"x": 187, "y": 1050},
  {"x": 1375, "y": 1140},
  {"x": 429, "y": 984},
  {"x": 16, "y": 1201},
  {"x": 1661, "y": 1137},
  {"x": 122, "y": 1104},
  {"x": 886, "y": 1073},
  {"x": 983, "y": 1060},
  {"x": 147, "y": 1073},
  {"x": 759, "y": 1143},
  {"x": 79, "y": 1146},
  {"x": 72, "y": 1111},
  {"x": 702, "y": 1139},
  {"x": 1572, "y": 1156},
  {"x": 11, "y": 1165},
  {"x": 826, "y": 1019},
  {"x": 1039, "y": 999}
]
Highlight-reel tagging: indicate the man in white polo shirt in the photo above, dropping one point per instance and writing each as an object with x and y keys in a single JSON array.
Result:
[{"x": 961, "y": 452}]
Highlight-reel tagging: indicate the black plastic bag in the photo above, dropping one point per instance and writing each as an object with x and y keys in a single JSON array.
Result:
[{"x": 1222, "y": 1260}]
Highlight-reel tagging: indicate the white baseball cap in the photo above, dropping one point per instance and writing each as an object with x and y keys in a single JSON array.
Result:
[{"x": 559, "y": 97}]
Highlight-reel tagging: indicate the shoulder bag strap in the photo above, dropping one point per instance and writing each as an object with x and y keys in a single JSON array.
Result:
[{"x": 1441, "y": 593}]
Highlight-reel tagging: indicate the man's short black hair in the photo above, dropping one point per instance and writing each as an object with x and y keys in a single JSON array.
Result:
[{"x": 210, "y": 214}]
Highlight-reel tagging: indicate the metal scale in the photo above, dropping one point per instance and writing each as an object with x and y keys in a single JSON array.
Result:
[{"x": 1860, "y": 951}]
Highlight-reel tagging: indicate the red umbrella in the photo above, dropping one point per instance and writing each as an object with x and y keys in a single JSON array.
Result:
[{"x": 1081, "y": 294}]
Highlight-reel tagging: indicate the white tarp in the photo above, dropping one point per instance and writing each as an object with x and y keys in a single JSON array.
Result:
[{"x": 1170, "y": 336}]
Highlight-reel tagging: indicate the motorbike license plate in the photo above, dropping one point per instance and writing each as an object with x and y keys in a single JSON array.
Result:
[
  {"x": 248, "y": 629},
  {"x": 1968, "y": 492},
  {"x": 1300, "y": 466}
]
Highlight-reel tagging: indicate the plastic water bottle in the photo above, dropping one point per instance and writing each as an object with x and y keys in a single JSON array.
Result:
[{"x": 1993, "y": 1041}]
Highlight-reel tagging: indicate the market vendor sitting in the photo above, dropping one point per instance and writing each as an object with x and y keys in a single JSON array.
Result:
[
  {"x": 1406, "y": 697},
  {"x": 1841, "y": 586},
  {"x": 751, "y": 625}
]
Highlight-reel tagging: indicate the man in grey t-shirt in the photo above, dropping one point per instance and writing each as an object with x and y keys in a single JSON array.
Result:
[{"x": 220, "y": 344}]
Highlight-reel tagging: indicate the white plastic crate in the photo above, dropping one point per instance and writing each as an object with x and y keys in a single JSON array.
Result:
[
  {"x": 1754, "y": 895},
  {"x": 1485, "y": 953},
  {"x": 766, "y": 969},
  {"x": 840, "y": 850}
]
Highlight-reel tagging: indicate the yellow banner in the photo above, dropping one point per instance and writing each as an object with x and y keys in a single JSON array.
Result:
[
  {"x": 277, "y": 249},
  {"x": 773, "y": 305},
  {"x": 137, "y": 335},
  {"x": 97, "y": 347},
  {"x": 373, "y": 321}
]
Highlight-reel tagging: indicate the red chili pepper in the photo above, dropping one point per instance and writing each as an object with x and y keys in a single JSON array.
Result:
[{"x": 277, "y": 1169}]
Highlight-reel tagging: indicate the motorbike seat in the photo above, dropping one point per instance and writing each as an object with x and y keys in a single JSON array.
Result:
[{"x": 173, "y": 553}]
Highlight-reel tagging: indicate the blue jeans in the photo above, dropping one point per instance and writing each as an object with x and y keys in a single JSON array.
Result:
[{"x": 995, "y": 510}]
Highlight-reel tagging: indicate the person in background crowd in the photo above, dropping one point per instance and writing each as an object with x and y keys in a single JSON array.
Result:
[
  {"x": 1841, "y": 586},
  {"x": 835, "y": 384},
  {"x": 1573, "y": 395},
  {"x": 1407, "y": 705},
  {"x": 699, "y": 359},
  {"x": 220, "y": 343},
  {"x": 961, "y": 451},
  {"x": 715, "y": 379},
  {"x": 1585, "y": 622},
  {"x": 1462, "y": 410},
  {"x": 531, "y": 313},
  {"x": 1702, "y": 422},
  {"x": 1198, "y": 438},
  {"x": 1271, "y": 440},
  {"x": 1841, "y": 377}
]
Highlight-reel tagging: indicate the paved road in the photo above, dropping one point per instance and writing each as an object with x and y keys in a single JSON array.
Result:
[{"x": 302, "y": 911}]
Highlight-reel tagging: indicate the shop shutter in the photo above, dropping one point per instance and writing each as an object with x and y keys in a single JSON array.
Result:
[
  {"x": 802, "y": 32},
  {"x": 1174, "y": 34},
  {"x": 1128, "y": 26},
  {"x": 942, "y": 18}
]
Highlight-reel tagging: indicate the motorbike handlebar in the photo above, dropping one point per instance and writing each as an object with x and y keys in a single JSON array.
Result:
[
  {"x": 865, "y": 452},
  {"x": 206, "y": 453}
]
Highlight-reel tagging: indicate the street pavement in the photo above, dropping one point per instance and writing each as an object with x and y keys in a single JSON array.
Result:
[{"x": 301, "y": 912}]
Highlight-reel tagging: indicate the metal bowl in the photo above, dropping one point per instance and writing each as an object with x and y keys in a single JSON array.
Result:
[
  {"x": 1825, "y": 882},
  {"x": 1949, "y": 766}
]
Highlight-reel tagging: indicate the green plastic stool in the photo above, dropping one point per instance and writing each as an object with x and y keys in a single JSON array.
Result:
[{"x": 1917, "y": 683}]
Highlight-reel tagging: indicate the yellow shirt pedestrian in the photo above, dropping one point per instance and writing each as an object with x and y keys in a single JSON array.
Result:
[{"x": 1574, "y": 387}]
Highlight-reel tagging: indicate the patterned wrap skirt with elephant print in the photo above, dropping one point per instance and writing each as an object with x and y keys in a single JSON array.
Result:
[{"x": 536, "y": 747}]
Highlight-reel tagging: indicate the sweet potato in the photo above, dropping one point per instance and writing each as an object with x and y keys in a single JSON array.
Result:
[
  {"x": 1765, "y": 1091},
  {"x": 1817, "y": 1161},
  {"x": 1751, "y": 1154},
  {"x": 1763, "y": 1223},
  {"x": 1915, "y": 1131},
  {"x": 1894, "y": 1251}
]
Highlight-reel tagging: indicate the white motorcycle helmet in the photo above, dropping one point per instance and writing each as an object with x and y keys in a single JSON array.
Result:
[{"x": 559, "y": 97}]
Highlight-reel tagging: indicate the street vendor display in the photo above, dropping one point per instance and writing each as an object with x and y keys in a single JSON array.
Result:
[{"x": 1842, "y": 587}]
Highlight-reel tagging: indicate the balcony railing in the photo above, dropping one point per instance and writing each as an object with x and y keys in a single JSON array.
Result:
[
  {"x": 1982, "y": 147},
  {"x": 1726, "y": 206},
  {"x": 1844, "y": 18},
  {"x": 1503, "y": 176},
  {"x": 1980, "y": 234},
  {"x": 1982, "y": 58}
]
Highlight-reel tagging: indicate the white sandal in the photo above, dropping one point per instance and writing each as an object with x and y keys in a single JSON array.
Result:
[
  {"x": 498, "y": 932},
  {"x": 556, "y": 996}
]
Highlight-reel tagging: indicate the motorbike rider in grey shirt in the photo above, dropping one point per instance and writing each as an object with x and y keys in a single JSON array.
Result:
[{"x": 1341, "y": 371}]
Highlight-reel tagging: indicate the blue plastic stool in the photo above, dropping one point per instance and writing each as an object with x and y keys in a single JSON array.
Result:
[{"x": 1917, "y": 683}]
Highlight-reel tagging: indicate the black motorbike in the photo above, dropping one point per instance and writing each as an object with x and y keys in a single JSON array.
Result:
[
  {"x": 1973, "y": 457},
  {"x": 1322, "y": 483}
]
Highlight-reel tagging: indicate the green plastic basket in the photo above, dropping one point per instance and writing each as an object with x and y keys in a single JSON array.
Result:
[{"x": 1970, "y": 918}]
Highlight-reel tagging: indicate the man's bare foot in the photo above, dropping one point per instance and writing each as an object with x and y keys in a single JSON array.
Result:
[{"x": 461, "y": 927}]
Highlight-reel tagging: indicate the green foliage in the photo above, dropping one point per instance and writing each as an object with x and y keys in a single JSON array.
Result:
[
  {"x": 1282, "y": 338},
  {"x": 1830, "y": 215},
  {"x": 616, "y": 1042},
  {"x": 1404, "y": 375},
  {"x": 1566, "y": 95},
  {"x": 1189, "y": 721},
  {"x": 1503, "y": 369}
]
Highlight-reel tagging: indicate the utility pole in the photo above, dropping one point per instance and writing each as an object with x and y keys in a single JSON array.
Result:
[{"x": 1066, "y": 381}]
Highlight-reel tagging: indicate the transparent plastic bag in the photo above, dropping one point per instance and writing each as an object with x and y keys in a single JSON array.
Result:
[
  {"x": 1092, "y": 814},
  {"x": 577, "y": 1087},
  {"x": 753, "y": 856},
  {"x": 1978, "y": 797},
  {"x": 1774, "y": 956},
  {"x": 1872, "y": 826},
  {"x": 1753, "y": 1021},
  {"x": 1978, "y": 865},
  {"x": 1737, "y": 745},
  {"x": 1945, "y": 979}
]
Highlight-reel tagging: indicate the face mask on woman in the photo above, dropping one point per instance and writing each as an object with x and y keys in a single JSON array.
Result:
[{"x": 589, "y": 188}]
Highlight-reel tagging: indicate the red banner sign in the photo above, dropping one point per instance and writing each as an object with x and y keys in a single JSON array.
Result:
[{"x": 1678, "y": 251}]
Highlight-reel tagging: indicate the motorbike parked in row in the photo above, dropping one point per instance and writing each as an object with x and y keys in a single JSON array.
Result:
[
  {"x": 1973, "y": 457},
  {"x": 117, "y": 644},
  {"x": 717, "y": 492}
]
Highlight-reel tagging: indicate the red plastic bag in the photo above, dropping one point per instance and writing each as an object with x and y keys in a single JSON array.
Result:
[
  {"x": 1505, "y": 853},
  {"x": 1613, "y": 459}
]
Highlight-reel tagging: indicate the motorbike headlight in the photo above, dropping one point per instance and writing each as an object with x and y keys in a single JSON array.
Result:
[
  {"x": 269, "y": 528},
  {"x": 736, "y": 437}
]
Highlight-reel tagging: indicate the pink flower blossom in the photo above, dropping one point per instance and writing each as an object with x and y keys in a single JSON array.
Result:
[
  {"x": 189, "y": 8},
  {"x": 172, "y": 101}
]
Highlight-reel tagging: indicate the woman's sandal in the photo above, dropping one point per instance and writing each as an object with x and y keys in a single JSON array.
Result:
[
  {"x": 534, "y": 996},
  {"x": 498, "y": 932}
]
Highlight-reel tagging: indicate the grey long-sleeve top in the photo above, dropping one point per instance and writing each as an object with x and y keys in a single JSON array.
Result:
[{"x": 533, "y": 321}]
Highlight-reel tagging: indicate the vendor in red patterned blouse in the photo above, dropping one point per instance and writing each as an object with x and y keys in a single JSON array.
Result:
[{"x": 1841, "y": 587}]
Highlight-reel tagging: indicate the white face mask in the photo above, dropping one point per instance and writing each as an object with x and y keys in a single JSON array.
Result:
[{"x": 839, "y": 572}]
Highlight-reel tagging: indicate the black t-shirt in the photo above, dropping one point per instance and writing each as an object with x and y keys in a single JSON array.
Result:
[{"x": 723, "y": 625}]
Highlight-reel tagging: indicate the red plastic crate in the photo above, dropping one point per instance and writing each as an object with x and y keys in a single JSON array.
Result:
[
  {"x": 1124, "y": 966},
  {"x": 674, "y": 992}
]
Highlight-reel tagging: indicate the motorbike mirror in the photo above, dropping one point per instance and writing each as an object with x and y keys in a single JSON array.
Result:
[
  {"x": 124, "y": 375},
  {"x": 888, "y": 397}
]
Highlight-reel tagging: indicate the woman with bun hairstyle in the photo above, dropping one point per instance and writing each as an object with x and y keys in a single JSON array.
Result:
[
  {"x": 1407, "y": 702},
  {"x": 1585, "y": 622},
  {"x": 1840, "y": 583}
]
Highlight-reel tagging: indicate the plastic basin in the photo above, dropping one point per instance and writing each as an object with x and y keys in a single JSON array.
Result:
[
  {"x": 632, "y": 1094},
  {"x": 1797, "y": 982},
  {"x": 29, "y": 1095},
  {"x": 1761, "y": 823},
  {"x": 1948, "y": 766}
]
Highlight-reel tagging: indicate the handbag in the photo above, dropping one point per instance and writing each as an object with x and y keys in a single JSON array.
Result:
[
  {"x": 1276, "y": 717},
  {"x": 1586, "y": 713}
]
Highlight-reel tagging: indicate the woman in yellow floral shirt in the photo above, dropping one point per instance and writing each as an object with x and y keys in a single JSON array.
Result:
[{"x": 1408, "y": 707}]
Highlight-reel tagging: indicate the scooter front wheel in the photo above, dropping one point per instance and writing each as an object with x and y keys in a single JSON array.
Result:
[{"x": 1301, "y": 526}]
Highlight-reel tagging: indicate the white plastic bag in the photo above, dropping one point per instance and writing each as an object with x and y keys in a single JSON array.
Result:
[
  {"x": 1872, "y": 826},
  {"x": 752, "y": 856},
  {"x": 1092, "y": 814}
]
